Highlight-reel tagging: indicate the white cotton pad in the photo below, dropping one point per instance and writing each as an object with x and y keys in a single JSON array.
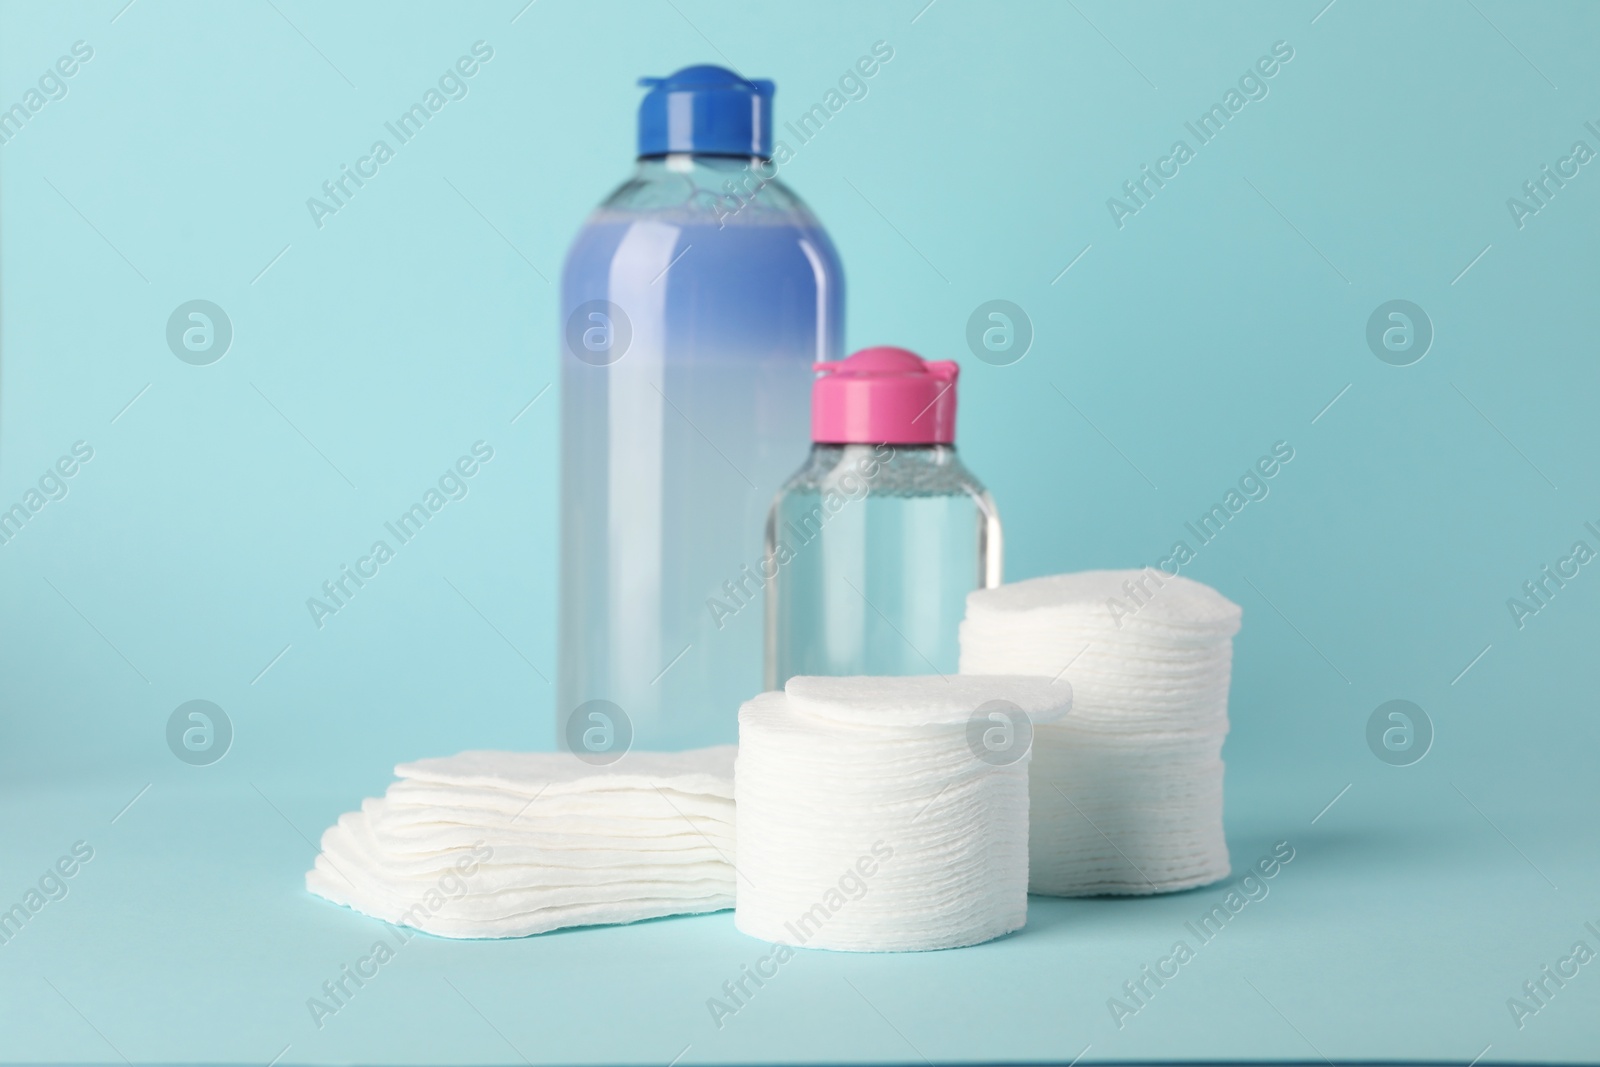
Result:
[
  {"x": 923, "y": 700},
  {"x": 406, "y": 818},
  {"x": 575, "y": 833},
  {"x": 406, "y": 797},
  {"x": 868, "y": 821},
  {"x": 1133, "y": 600},
  {"x": 474, "y": 903},
  {"x": 703, "y": 771},
  {"x": 1125, "y": 793},
  {"x": 351, "y": 844},
  {"x": 446, "y": 923},
  {"x": 499, "y": 844}
]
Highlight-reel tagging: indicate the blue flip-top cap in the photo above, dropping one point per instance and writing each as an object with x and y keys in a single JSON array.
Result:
[{"x": 708, "y": 110}]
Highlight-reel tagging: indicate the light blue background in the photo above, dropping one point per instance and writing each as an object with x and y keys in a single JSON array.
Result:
[{"x": 1223, "y": 317}]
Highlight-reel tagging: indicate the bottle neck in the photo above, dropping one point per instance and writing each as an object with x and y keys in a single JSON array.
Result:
[
  {"x": 921, "y": 455},
  {"x": 720, "y": 188},
  {"x": 888, "y": 468},
  {"x": 931, "y": 453},
  {"x": 691, "y": 162}
]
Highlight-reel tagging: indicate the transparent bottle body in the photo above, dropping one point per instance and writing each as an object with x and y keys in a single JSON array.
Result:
[
  {"x": 674, "y": 439},
  {"x": 871, "y": 551}
]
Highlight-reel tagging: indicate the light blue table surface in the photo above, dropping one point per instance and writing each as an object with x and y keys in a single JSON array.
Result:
[
  {"x": 1399, "y": 930},
  {"x": 1228, "y": 313}
]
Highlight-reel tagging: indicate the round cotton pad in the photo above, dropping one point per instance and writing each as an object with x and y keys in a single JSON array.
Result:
[
  {"x": 924, "y": 700},
  {"x": 1125, "y": 793},
  {"x": 1147, "y": 598},
  {"x": 871, "y": 818}
]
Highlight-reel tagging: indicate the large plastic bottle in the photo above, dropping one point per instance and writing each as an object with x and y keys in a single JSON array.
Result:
[{"x": 694, "y": 302}]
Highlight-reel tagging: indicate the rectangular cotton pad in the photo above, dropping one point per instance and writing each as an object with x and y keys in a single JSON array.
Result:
[{"x": 504, "y": 844}]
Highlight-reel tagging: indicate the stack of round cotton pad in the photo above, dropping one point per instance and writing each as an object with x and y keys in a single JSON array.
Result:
[
  {"x": 503, "y": 844},
  {"x": 887, "y": 814},
  {"x": 1127, "y": 791}
]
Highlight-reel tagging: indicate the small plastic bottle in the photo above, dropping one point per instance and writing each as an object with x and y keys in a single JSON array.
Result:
[{"x": 874, "y": 544}]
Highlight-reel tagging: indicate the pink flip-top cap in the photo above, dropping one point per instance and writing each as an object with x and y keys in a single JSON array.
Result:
[{"x": 884, "y": 395}]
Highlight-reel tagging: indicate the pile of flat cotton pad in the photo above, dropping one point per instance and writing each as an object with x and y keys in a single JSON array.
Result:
[
  {"x": 887, "y": 814},
  {"x": 1127, "y": 791},
  {"x": 503, "y": 844}
]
